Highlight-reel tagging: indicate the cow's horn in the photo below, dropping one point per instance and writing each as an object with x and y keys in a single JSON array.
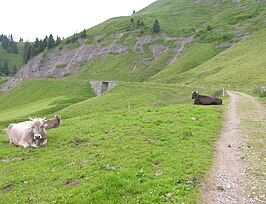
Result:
[
  {"x": 44, "y": 118},
  {"x": 30, "y": 118}
]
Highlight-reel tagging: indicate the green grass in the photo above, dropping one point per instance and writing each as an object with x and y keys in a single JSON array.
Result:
[
  {"x": 41, "y": 97},
  {"x": 241, "y": 67},
  {"x": 195, "y": 55},
  {"x": 135, "y": 95},
  {"x": 145, "y": 155},
  {"x": 131, "y": 66},
  {"x": 61, "y": 66},
  {"x": 139, "y": 142},
  {"x": 186, "y": 18},
  {"x": 148, "y": 153},
  {"x": 2, "y": 81}
]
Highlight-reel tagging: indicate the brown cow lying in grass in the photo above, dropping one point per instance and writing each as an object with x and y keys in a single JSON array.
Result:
[
  {"x": 52, "y": 123},
  {"x": 31, "y": 133},
  {"x": 205, "y": 100}
]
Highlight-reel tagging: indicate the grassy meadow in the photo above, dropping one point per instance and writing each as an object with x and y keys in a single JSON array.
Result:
[
  {"x": 157, "y": 150},
  {"x": 143, "y": 141},
  {"x": 103, "y": 152},
  {"x": 41, "y": 97}
]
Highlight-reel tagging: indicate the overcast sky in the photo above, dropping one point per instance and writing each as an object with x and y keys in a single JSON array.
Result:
[{"x": 29, "y": 19}]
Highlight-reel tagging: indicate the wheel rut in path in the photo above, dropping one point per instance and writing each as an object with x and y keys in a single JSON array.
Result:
[{"x": 238, "y": 174}]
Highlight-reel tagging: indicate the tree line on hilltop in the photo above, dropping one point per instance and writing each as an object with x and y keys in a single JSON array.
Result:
[
  {"x": 33, "y": 49},
  {"x": 30, "y": 50},
  {"x": 9, "y": 44}
]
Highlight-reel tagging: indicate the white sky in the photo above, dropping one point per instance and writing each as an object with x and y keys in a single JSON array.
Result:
[{"x": 29, "y": 19}]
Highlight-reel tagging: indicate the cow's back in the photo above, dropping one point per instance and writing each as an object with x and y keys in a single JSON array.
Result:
[
  {"x": 15, "y": 131},
  {"x": 204, "y": 100}
]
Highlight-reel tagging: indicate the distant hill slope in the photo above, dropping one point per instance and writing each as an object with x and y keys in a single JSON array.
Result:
[
  {"x": 241, "y": 65},
  {"x": 12, "y": 59},
  {"x": 41, "y": 97},
  {"x": 126, "y": 49}
]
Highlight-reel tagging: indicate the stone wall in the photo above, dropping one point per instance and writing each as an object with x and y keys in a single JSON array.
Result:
[{"x": 99, "y": 87}]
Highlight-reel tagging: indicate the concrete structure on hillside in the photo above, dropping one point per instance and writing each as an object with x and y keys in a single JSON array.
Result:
[{"x": 99, "y": 87}]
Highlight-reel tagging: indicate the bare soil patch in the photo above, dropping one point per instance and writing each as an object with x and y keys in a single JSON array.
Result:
[{"x": 238, "y": 174}]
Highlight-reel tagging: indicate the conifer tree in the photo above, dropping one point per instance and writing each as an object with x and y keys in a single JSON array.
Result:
[
  {"x": 5, "y": 42},
  {"x": 58, "y": 41},
  {"x": 35, "y": 49},
  {"x": 83, "y": 34},
  {"x": 5, "y": 68},
  {"x": 51, "y": 42},
  {"x": 14, "y": 47},
  {"x": 15, "y": 70},
  {"x": 27, "y": 52},
  {"x": 156, "y": 26}
]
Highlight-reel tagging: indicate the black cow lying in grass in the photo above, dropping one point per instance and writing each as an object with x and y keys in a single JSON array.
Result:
[{"x": 205, "y": 100}]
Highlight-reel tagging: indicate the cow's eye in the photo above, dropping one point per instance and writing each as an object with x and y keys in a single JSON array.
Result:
[
  {"x": 32, "y": 126},
  {"x": 42, "y": 126}
]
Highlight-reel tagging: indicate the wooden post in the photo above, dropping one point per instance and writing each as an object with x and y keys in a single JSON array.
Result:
[{"x": 129, "y": 105}]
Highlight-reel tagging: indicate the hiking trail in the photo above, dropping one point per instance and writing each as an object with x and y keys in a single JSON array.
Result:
[{"x": 238, "y": 173}]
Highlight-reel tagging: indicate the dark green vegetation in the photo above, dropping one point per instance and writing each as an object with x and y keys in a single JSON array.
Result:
[
  {"x": 10, "y": 62},
  {"x": 143, "y": 141}
]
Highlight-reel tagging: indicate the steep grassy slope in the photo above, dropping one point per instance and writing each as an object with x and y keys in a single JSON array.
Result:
[
  {"x": 240, "y": 65},
  {"x": 189, "y": 17},
  {"x": 41, "y": 97},
  {"x": 194, "y": 56},
  {"x": 211, "y": 23},
  {"x": 126, "y": 49},
  {"x": 127, "y": 67}
]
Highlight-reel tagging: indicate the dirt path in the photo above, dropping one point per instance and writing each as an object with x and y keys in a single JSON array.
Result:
[{"x": 238, "y": 174}]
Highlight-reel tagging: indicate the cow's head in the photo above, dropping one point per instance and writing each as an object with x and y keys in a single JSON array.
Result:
[
  {"x": 38, "y": 128},
  {"x": 57, "y": 123},
  {"x": 194, "y": 94}
]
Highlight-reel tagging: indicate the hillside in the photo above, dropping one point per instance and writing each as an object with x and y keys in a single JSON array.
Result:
[
  {"x": 126, "y": 49},
  {"x": 33, "y": 97},
  {"x": 12, "y": 59},
  {"x": 241, "y": 65},
  {"x": 142, "y": 141}
]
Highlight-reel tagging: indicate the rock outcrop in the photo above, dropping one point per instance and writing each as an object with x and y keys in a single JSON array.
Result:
[{"x": 66, "y": 60}]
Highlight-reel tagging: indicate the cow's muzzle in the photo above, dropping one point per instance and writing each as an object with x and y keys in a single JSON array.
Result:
[{"x": 37, "y": 136}]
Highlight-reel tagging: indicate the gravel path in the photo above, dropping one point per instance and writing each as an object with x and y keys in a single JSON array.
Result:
[{"x": 238, "y": 174}]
